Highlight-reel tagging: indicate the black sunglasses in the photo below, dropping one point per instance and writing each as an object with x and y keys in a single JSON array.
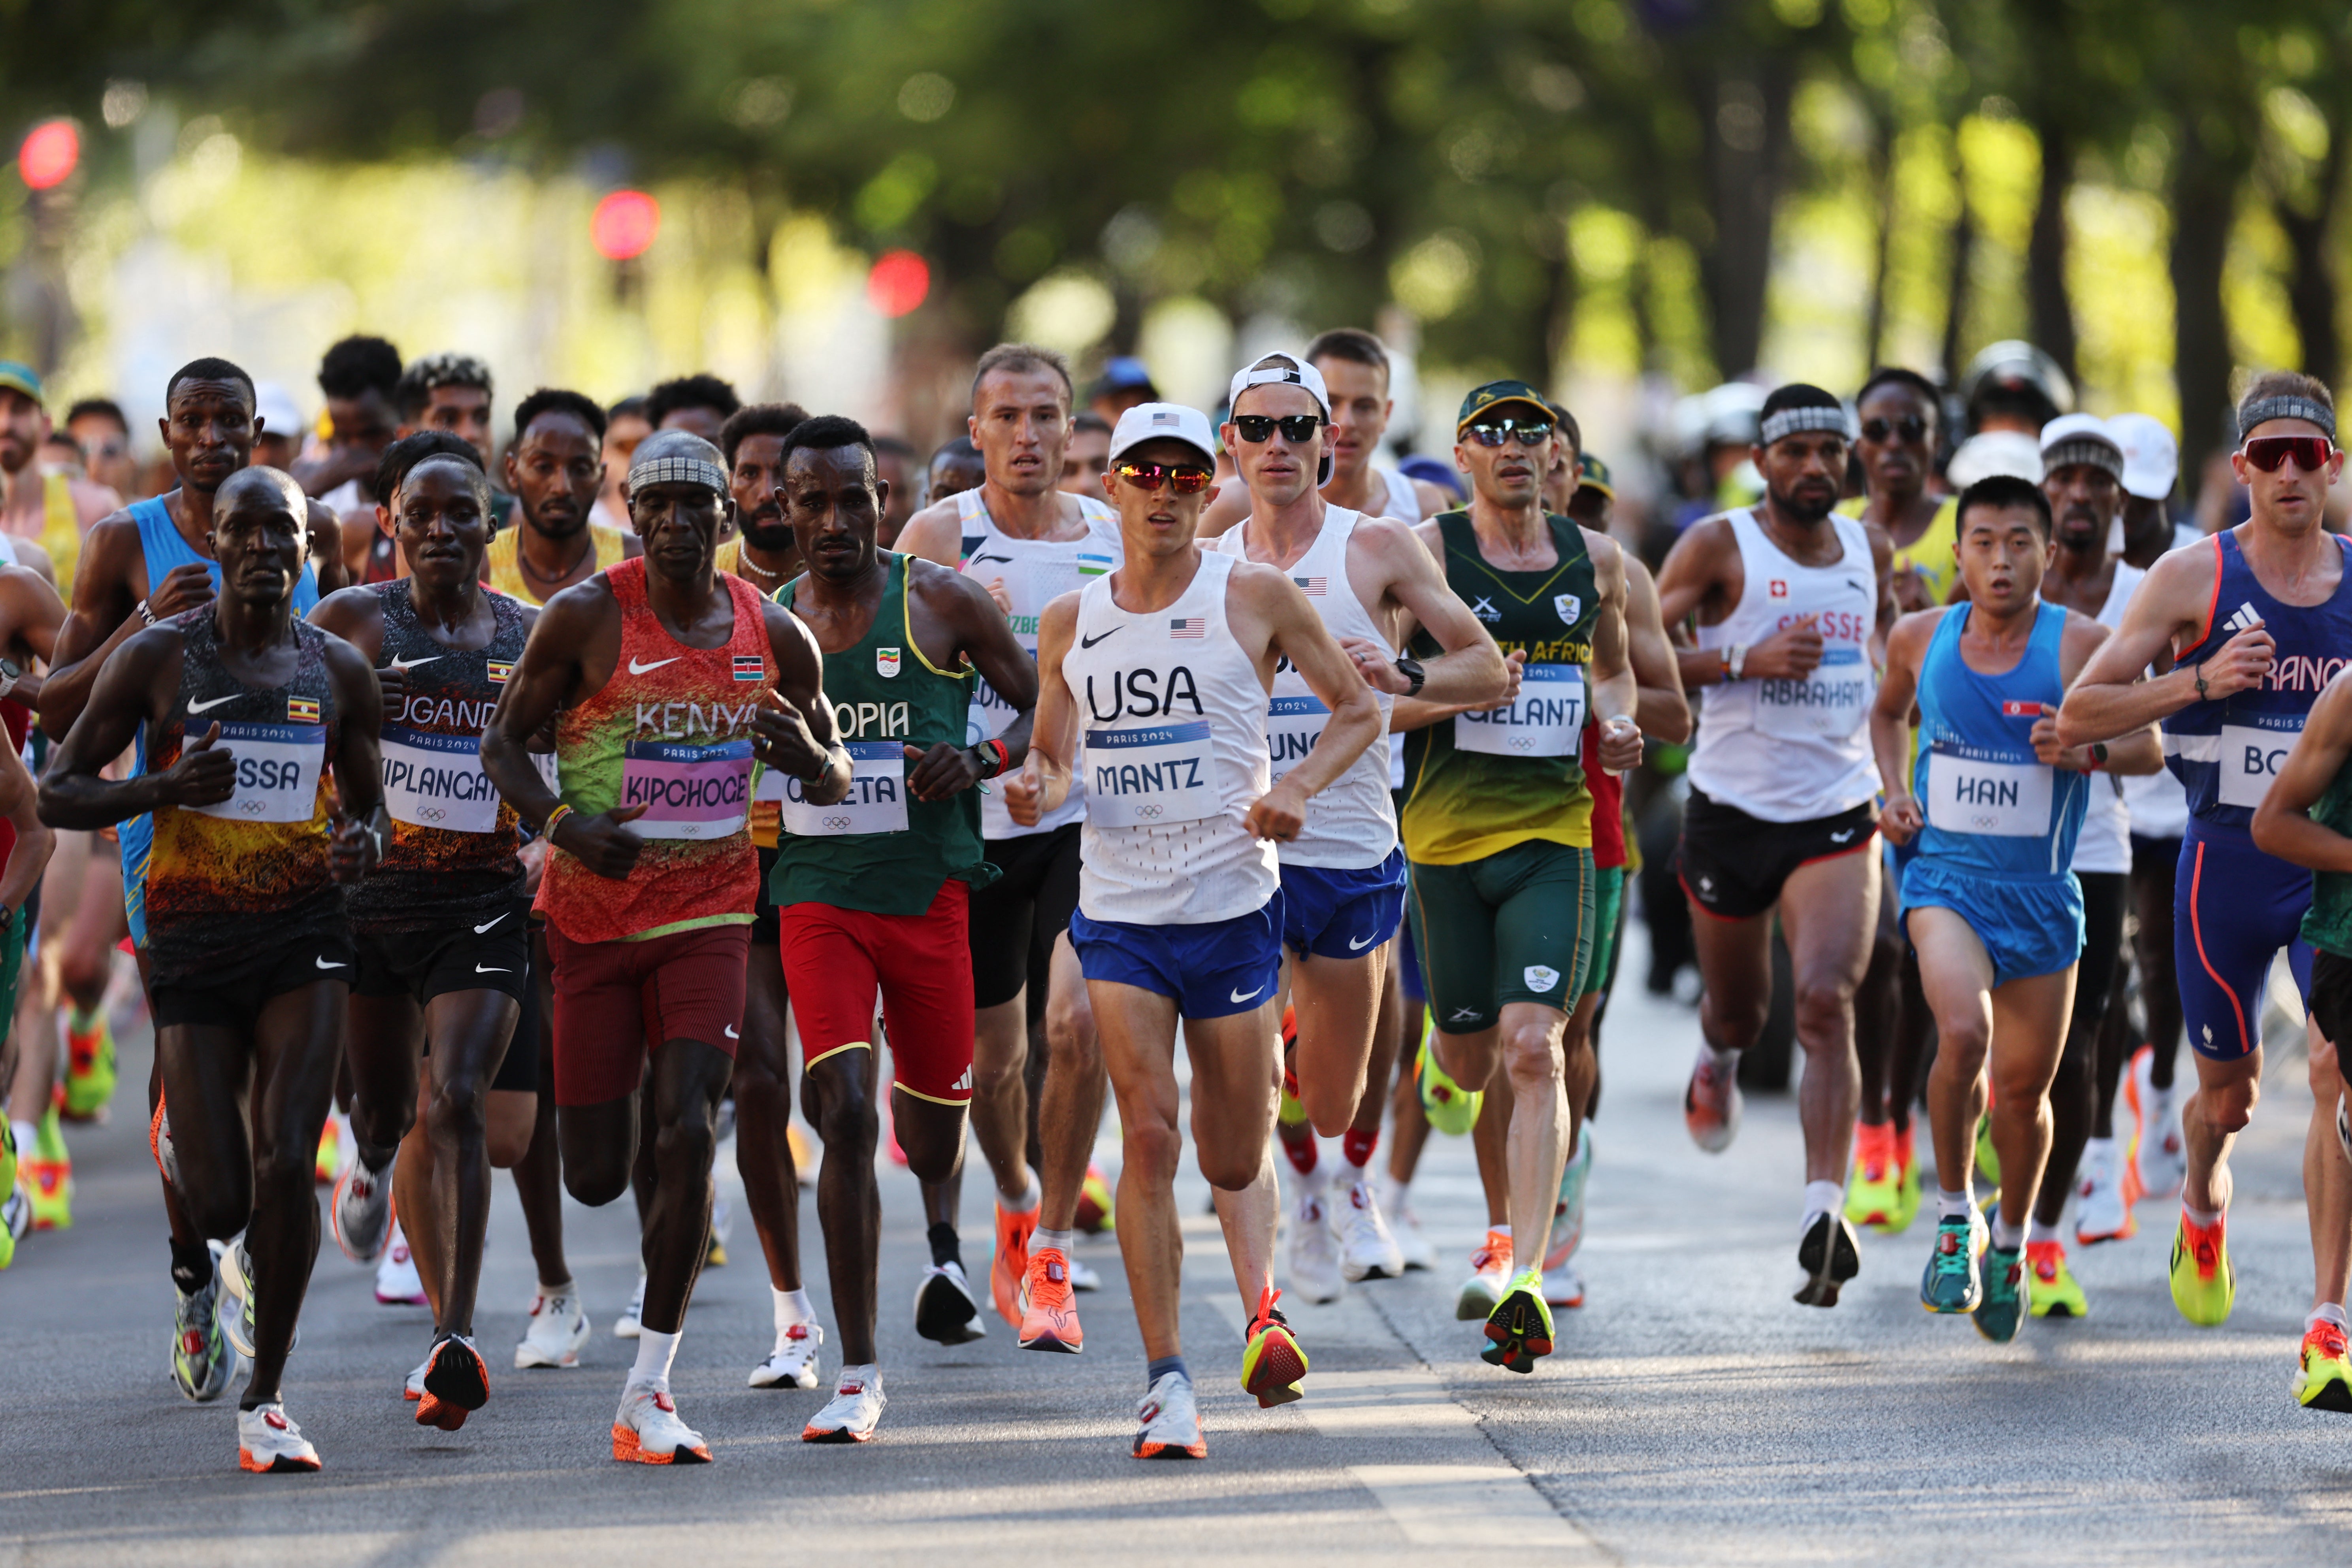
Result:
[
  {"x": 1256, "y": 427},
  {"x": 1530, "y": 432},
  {"x": 1911, "y": 427}
]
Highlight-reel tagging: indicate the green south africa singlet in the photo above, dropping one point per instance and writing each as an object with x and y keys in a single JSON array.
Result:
[
  {"x": 1478, "y": 783},
  {"x": 2328, "y": 924}
]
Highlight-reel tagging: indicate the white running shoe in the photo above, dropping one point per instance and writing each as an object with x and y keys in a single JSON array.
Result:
[
  {"x": 1711, "y": 1101},
  {"x": 722, "y": 1225},
  {"x": 855, "y": 1411},
  {"x": 1171, "y": 1421},
  {"x": 2100, "y": 1214},
  {"x": 626, "y": 1326},
  {"x": 1081, "y": 1276},
  {"x": 412, "y": 1388},
  {"x": 1490, "y": 1277},
  {"x": 1563, "y": 1286},
  {"x": 559, "y": 1327},
  {"x": 2163, "y": 1155},
  {"x": 1416, "y": 1248},
  {"x": 792, "y": 1363},
  {"x": 946, "y": 1313},
  {"x": 1314, "y": 1253},
  {"x": 361, "y": 1210},
  {"x": 646, "y": 1430},
  {"x": 236, "y": 1272},
  {"x": 267, "y": 1439},
  {"x": 397, "y": 1283},
  {"x": 1367, "y": 1250}
]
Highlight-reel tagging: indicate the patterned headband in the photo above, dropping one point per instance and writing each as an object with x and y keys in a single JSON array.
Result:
[
  {"x": 2087, "y": 449},
  {"x": 677, "y": 471},
  {"x": 1782, "y": 422},
  {"x": 2289, "y": 407}
]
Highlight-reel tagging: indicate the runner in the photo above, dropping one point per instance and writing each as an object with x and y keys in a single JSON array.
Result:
[
  {"x": 752, "y": 441},
  {"x": 25, "y": 846},
  {"x": 701, "y": 405},
  {"x": 1343, "y": 877},
  {"x": 1354, "y": 365},
  {"x": 1498, "y": 826},
  {"x": 625, "y": 425},
  {"x": 1026, "y": 542},
  {"x": 444, "y": 958},
  {"x": 1086, "y": 457},
  {"x": 1996, "y": 803},
  {"x": 250, "y": 711},
  {"x": 2257, "y": 624},
  {"x": 873, "y": 893},
  {"x": 43, "y": 515},
  {"x": 1180, "y": 913},
  {"x": 554, "y": 468},
  {"x": 957, "y": 466},
  {"x": 649, "y": 926},
  {"x": 448, "y": 391},
  {"x": 1790, "y": 600}
]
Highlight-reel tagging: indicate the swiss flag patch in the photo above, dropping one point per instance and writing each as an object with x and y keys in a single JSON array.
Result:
[{"x": 1780, "y": 589}]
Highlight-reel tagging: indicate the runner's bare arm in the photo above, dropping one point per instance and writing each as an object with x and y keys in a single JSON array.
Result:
[
  {"x": 1664, "y": 710},
  {"x": 1471, "y": 670},
  {"x": 357, "y": 531},
  {"x": 2139, "y": 751},
  {"x": 1616, "y": 695},
  {"x": 794, "y": 729},
  {"x": 1043, "y": 781},
  {"x": 32, "y": 613},
  {"x": 2112, "y": 695},
  {"x": 30, "y": 555},
  {"x": 135, "y": 683},
  {"x": 1882, "y": 561},
  {"x": 1691, "y": 582},
  {"x": 935, "y": 533},
  {"x": 19, "y": 803},
  {"x": 355, "y": 840},
  {"x": 2282, "y": 824},
  {"x": 984, "y": 637},
  {"x": 105, "y": 594},
  {"x": 1294, "y": 631},
  {"x": 544, "y": 682},
  {"x": 356, "y": 616},
  {"x": 1890, "y": 721}
]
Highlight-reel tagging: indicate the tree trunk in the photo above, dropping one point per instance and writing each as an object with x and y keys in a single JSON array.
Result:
[
  {"x": 1744, "y": 123},
  {"x": 1957, "y": 266},
  {"x": 2051, "y": 312},
  {"x": 1881, "y": 170},
  {"x": 2203, "y": 192},
  {"x": 2311, "y": 288}
]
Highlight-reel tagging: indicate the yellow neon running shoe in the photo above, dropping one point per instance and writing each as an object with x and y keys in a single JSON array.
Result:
[
  {"x": 328, "y": 1163},
  {"x": 2204, "y": 1285},
  {"x": 89, "y": 1069},
  {"x": 1870, "y": 1193},
  {"x": 48, "y": 1175},
  {"x": 1906, "y": 1184},
  {"x": 1987, "y": 1158},
  {"x": 2323, "y": 1376},
  {"x": 1095, "y": 1208},
  {"x": 2055, "y": 1291},
  {"x": 1273, "y": 1362},
  {"x": 1451, "y": 1108}
]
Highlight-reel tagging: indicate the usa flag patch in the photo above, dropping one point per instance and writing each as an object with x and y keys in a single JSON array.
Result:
[
  {"x": 1314, "y": 585},
  {"x": 749, "y": 666},
  {"x": 1188, "y": 626},
  {"x": 301, "y": 709}
]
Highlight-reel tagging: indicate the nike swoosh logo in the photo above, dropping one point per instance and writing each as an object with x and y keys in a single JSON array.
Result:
[
  {"x": 732, "y": 1034},
  {"x": 323, "y": 964},
  {"x": 636, "y": 668},
  {"x": 213, "y": 703},
  {"x": 490, "y": 969},
  {"x": 480, "y": 929},
  {"x": 1841, "y": 837},
  {"x": 1238, "y": 996},
  {"x": 412, "y": 663},
  {"x": 1355, "y": 946},
  {"x": 1089, "y": 642}
]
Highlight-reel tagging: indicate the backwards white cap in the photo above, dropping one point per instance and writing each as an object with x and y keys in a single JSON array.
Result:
[
  {"x": 2151, "y": 457},
  {"x": 1283, "y": 369}
]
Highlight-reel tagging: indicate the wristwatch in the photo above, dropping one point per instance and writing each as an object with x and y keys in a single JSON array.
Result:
[
  {"x": 1410, "y": 667},
  {"x": 11, "y": 673}
]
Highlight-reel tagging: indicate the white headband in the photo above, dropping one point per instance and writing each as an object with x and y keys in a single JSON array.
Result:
[
  {"x": 1782, "y": 422},
  {"x": 677, "y": 471}
]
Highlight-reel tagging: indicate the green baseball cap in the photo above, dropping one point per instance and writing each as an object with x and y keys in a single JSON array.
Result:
[
  {"x": 1497, "y": 393},
  {"x": 1592, "y": 474},
  {"x": 18, "y": 376}
]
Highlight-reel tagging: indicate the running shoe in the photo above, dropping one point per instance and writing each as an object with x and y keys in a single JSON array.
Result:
[
  {"x": 1010, "y": 1261},
  {"x": 1083, "y": 1278},
  {"x": 1414, "y": 1247},
  {"x": 47, "y": 1175},
  {"x": 2323, "y": 1373},
  {"x": 722, "y": 1225},
  {"x": 397, "y": 1283},
  {"x": 626, "y": 1326},
  {"x": 234, "y": 1269},
  {"x": 1870, "y": 1191},
  {"x": 1519, "y": 1328},
  {"x": 559, "y": 1327},
  {"x": 792, "y": 1363},
  {"x": 1367, "y": 1250},
  {"x": 1988, "y": 1157},
  {"x": 1830, "y": 1256},
  {"x": 361, "y": 1210},
  {"x": 2344, "y": 1123},
  {"x": 1952, "y": 1283},
  {"x": 2102, "y": 1211},
  {"x": 2204, "y": 1285},
  {"x": 1049, "y": 1316},
  {"x": 159, "y": 1145},
  {"x": 90, "y": 1070},
  {"x": 1094, "y": 1203},
  {"x": 1711, "y": 1101},
  {"x": 16, "y": 1223},
  {"x": 946, "y": 1313},
  {"x": 646, "y": 1430},
  {"x": 1314, "y": 1253},
  {"x": 2055, "y": 1291},
  {"x": 201, "y": 1361},
  {"x": 1169, "y": 1421},
  {"x": 1490, "y": 1272},
  {"x": 2003, "y": 1309},
  {"x": 1567, "y": 1212},
  {"x": 328, "y": 1162},
  {"x": 412, "y": 1388},
  {"x": 1451, "y": 1108},
  {"x": 2161, "y": 1152},
  {"x": 456, "y": 1383},
  {"x": 1906, "y": 1184},
  {"x": 853, "y": 1412},
  {"x": 268, "y": 1440},
  {"x": 1563, "y": 1286},
  {"x": 1271, "y": 1359}
]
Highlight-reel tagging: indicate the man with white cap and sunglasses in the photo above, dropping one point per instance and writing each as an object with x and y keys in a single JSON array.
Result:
[{"x": 1168, "y": 662}]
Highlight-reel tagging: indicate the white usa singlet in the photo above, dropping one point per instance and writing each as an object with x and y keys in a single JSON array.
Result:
[
  {"x": 1793, "y": 751},
  {"x": 1173, "y": 717},
  {"x": 1351, "y": 825},
  {"x": 1035, "y": 572}
]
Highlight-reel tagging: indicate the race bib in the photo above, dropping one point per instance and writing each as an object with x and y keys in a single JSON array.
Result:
[
  {"x": 1293, "y": 725},
  {"x": 2001, "y": 800},
  {"x": 688, "y": 792},
  {"x": 876, "y": 801},
  {"x": 1150, "y": 775},
  {"x": 2250, "y": 757},
  {"x": 1546, "y": 720},
  {"x": 436, "y": 781},
  {"x": 1828, "y": 705},
  {"x": 277, "y": 768}
]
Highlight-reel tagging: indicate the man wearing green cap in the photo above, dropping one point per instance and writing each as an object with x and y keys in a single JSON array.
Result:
[
  {"x": 43, "y": 515},
  {"x": 1497, "y": 826}
]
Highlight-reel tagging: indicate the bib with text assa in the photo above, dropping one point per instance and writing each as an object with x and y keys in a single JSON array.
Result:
[
  {"x": 1546, "y": 720},
  {"x": 277, "y": 768},
  {"x": 1152, "y": 774},
  {"x": 876, "y": 801},
  {"x": 1972, "y": 794},
  {"x": 1293, "y": 725},
  {"x": 688, "y": 792},
  {"x": 436, "y": 781}
]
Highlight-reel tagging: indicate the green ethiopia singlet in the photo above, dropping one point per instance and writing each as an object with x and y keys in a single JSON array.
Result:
[
  {"x": 1479, "y": 782},
  {"x": 878, "y": 848},
  {"x": 2328, "y": 924}
]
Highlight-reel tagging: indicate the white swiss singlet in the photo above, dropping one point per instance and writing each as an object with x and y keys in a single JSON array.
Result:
[
  {"x": 1793, "y": 751},
  {"x": 1035, "y": 572},
  {"x": 1173, "y": 717},
  {"x": 1350, "y": 826},
  {"x": 2157, "y": 803},
  {"x": 2106, "y": 843}
]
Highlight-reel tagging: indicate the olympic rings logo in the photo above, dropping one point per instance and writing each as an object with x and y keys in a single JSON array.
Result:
[
  {"x": 1150, "y": 811},
  {"x": 253, "y": 807},
  {"x": 1985, "y": 820},
  {"x": 836, "y": 824},
  {"x": 433, "y": 812}
]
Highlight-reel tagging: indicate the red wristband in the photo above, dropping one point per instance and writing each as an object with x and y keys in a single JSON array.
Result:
[{"x": 1003, "y": 756}]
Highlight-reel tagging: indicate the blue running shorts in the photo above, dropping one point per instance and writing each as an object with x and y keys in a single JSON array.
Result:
[
  {"x": 1342, "y": 914},
  {"x": 1212, "y": 971},
  {"x": 2028, "y": 927}
]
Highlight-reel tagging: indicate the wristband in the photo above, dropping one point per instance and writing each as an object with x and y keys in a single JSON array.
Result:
[
  {"x": 145, "y": 613},
  {"x": 547, "y": 828},
  {"x": 1735, "y": 662},
  {"x": 994, "y": 757},
  {"x": 824, "y": 764},
  {"x": 2098, "y": 757}
]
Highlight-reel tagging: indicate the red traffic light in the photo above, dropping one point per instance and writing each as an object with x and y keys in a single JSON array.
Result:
[
  {"x": 49, "y": 153},
  {"x": 624, "y": 224},
  {"x": 898, "y": 283}
]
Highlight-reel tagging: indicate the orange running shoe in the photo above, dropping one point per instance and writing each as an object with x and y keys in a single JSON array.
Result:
[
  {"x": 1011, "y": 1262},
  {"x": 1272, "y": 1361},
  {"x": 1049, "y": 1309}
]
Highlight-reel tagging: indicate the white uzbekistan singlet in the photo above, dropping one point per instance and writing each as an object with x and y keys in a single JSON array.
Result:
[
  {"x": 1793, "y": 751},
  {"x": 1350, "y": 826},
  {"x": 1173, "y": 717},
  {"x": 1035, "y": 572},
  {"x": 2106, "y": 843}
]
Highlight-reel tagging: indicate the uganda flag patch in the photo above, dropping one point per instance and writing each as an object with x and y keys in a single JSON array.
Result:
[
  {"x": 301, "y": 709},
  {"x": 500, "y": 669},
  {"x": 749, "y": 666}
]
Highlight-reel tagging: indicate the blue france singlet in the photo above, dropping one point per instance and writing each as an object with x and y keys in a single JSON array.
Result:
[
  {"x": 1992, "y": 808},
  {"x": 2226, "y": 751},
  {"x": 162, "y": 547}
]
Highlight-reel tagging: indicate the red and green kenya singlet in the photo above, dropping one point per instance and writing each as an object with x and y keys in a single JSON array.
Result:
[
  {"x": 226, "y": 880},
  {"x": 671, "y": 731}
]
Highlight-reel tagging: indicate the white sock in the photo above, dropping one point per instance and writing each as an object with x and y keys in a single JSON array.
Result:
[
  {"x": 1317, "y": 1182},
  {"x": 1956, "y": 1205},
  {"x": 1822, "y": 1197},
  {"x": 792, "y": 1307},
  {"x": 1027, "y": 1202},
  {"x": 552, "y": 1291},
  {"x": 2326, "y": 1312},
  {"x": 2005, "y": 1235},
  {"x": 1061, "y": 1241},
  {"x": 26, "y": 1133},
  {"x": 655, "y": 1353},
  {"x": 2200, "y": 1216},
  {"x": 2037, "y": 1233},
  {"x": 1718, "y": 1058}
]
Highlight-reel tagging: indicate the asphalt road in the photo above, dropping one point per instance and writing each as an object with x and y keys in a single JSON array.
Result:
[{"x": 1694, "y": 1412}]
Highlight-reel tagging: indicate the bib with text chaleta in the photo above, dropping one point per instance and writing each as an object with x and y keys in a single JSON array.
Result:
[{"x": 876, "y": 801}]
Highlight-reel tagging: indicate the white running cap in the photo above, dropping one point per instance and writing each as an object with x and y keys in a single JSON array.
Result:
[
  {"x": 1995, "y": 452},
  {"x": 1280, "y": 368},
  {"x": 1165, "y": 422},
  {"x": 2151, "y": 457},
  {"x": 277, "y": 411}
]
